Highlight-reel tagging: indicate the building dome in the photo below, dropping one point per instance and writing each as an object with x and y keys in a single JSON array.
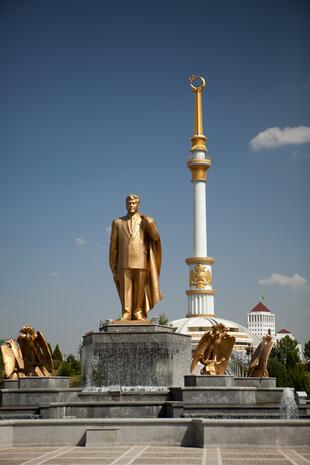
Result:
[
  {"x": 197, "y": 326},
  {"x": 284, "y": 331}
]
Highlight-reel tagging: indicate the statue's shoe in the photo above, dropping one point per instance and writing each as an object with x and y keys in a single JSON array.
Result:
[{"x": 139, "y": 316}]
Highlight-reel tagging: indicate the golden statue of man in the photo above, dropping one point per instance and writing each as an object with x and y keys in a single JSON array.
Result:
[{"x": 135, "y": 259}]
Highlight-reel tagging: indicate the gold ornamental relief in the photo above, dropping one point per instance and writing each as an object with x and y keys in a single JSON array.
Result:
[{"x": 200, "y": 277}]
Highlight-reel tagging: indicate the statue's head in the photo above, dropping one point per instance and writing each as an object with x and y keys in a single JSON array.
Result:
[
  {"x": 132, "y": 203},
  {"x": 27, "y": 330}
]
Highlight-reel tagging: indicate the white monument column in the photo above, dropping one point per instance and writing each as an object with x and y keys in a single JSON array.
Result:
[{"x": 200, "y": 293}]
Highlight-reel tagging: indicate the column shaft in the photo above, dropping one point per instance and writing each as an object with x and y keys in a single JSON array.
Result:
[{"x": 199, "y": 223}]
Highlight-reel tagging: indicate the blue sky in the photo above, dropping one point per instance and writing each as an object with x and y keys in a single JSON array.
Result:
[{"x": 94, "y": 104}]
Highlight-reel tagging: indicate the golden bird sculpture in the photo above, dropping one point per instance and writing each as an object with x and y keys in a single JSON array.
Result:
[
  {"x": 213, "y": 351},
  {"x": 29, "y": 355}
]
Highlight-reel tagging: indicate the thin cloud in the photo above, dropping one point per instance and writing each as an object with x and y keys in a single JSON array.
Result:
[
  {"x": 80, "y": 241},
  {"x": 55, "y": 274},
  {"x": 277, "y": 137},
  {"x": 296, "y": 281}
]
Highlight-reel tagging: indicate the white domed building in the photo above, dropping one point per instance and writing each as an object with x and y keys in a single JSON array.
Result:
[
  {"x": 196, "y": 326},
  {"x": 283, "y": 333}
]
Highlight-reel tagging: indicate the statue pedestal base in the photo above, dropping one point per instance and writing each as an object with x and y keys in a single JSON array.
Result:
[
  {"x": 38, "y": 382},
  {"x": 129, "y": 322},
  {"x": 256, "y": 382},
  {"x": 204, "y": 380},
  {"x": 146, "y": 356}
]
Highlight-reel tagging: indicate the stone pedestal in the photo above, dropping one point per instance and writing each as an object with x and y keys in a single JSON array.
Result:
[
  {"x": 10, "y": 383},
  {"x": 256, "y": 382},
  {"x": 203, "y": 381},
  {"x": 135, "y": 355},
  {"x": 214, "y": 395},
  {"x": 38, "y": 382}
]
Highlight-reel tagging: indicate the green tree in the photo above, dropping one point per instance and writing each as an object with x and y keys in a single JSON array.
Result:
[
  {"x": 285, "y": 365},
  {"x": 57, "y": 355},
  {"x": 163, "y": 319},
  {"x": 70, "y": 367},
  {"x": 307, "y": 350},
  {"x": 74, "y": 363},
  {"x": 277, "y": 370},
  {"x": 286, "y": 352}
]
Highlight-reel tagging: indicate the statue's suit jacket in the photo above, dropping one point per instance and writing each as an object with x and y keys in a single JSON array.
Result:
[
  {"x": 139, "y": 248},
  {"x": 128, "y": 247}
]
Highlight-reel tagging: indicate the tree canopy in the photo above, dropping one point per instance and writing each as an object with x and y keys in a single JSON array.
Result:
[
  {"x": 57, "y": 355},
  {"x": 285, "y": 365},
  {"x": 286, "y": 352},
  {"x": 307, "y": 350},
  {"x": 163, "y": 319}
]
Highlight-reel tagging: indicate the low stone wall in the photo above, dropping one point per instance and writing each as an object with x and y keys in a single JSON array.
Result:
[
  {"x": 37, "y": 396},
  {"x": 182, "y": 432},
  {"x": 73, "y": 432},
  {"x": 255, "y": 432}
]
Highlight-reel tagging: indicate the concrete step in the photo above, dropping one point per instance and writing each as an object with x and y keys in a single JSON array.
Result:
[
  {"x": 222, "y": 411},
  {"x": 19, "y": 413}
]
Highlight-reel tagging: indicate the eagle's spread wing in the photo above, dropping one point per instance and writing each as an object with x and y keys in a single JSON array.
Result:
[
  {"x": 8, "y": 359},
  {"x": 203, "y": 344},
  {"x": 46, "y": 356},
  {"x": 224, "y": 350},
  {"x": 260, "y": 356},
  {"x": 18, "y": 353}
]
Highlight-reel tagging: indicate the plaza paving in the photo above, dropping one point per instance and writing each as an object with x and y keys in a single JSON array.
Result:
[{"x": 153, "y": 455}]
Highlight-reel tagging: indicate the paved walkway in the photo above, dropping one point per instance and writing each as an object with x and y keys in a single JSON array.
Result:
[{"x": 153, "y": 455}]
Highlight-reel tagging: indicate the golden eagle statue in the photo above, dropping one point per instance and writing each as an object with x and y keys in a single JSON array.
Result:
[
  {"x": 213, "y": 351},
  {"x": 29, "y": 355},
  {"x": 259, "y": 361}
]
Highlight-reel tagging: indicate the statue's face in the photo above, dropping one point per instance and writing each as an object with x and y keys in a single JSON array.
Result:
[{"x": 132, "y": 205}]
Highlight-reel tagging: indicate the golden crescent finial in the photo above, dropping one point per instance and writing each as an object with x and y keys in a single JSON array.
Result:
[{"x": 194, "y": 78}]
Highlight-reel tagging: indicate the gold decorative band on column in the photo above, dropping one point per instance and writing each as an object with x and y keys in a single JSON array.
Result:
[
  {"x": 200, "y": 260},
  {"x": 196, "y": 291},
  {"x": 198, "y": 143},
  {"x": 199, "y": 168}
]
